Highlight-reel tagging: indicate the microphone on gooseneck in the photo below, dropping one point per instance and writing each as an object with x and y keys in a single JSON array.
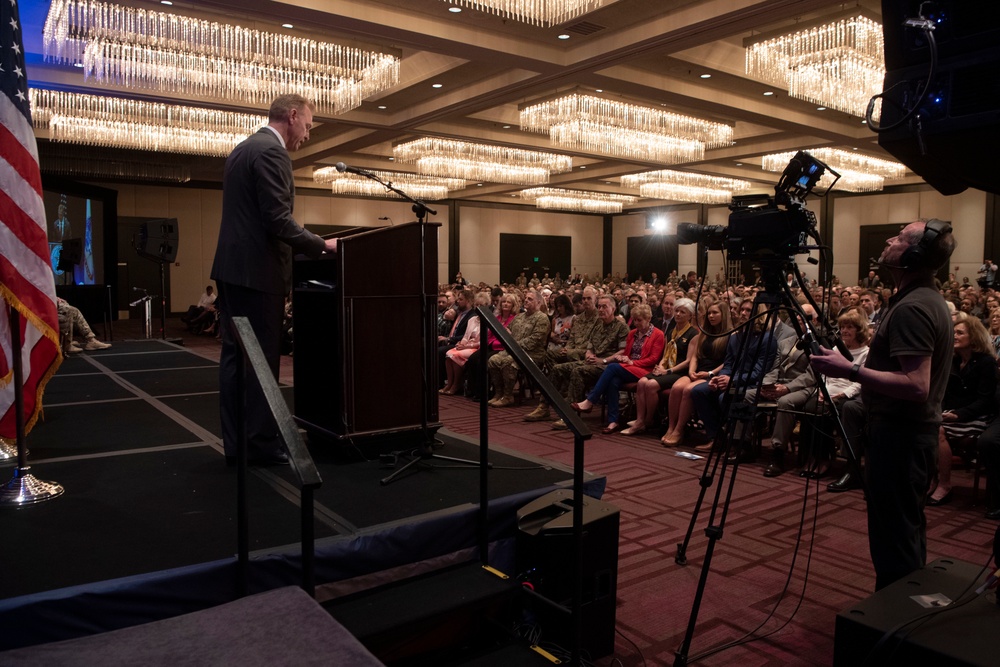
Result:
[{"x": 341, "y": 167}]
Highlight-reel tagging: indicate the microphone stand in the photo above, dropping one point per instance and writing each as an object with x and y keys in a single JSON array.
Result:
[{"x": 426, "y": 448}]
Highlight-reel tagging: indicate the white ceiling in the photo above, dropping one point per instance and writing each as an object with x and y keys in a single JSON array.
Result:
[{"x": 647, "y": 51}]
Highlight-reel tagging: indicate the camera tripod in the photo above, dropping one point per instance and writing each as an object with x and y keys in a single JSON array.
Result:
[{"x": 739, "y": 416}]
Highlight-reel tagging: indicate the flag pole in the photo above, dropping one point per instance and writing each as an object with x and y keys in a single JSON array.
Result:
[{"x": 24, "y": 488}]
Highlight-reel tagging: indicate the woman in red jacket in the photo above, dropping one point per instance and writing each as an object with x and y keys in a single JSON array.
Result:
[{"x": 643, "y": 350}]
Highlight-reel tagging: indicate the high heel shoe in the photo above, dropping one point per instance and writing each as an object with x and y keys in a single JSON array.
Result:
[
  {"x": 943, "y": 500},
  {"x": 634, "y": 429},
  {"x": 582, "y": 411},
  {"x": 668, "y": 441}
]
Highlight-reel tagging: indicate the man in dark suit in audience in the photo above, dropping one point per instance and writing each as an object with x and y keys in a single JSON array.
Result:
[{"x": 253, "y": 263}]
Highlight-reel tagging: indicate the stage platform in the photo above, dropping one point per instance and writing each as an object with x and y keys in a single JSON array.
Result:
[{"x": 147, "y": 526}]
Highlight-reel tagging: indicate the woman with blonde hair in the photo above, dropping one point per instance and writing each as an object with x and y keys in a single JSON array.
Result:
[
  {"x": 670, "y": 369},
  {"x": 706, "y": 353}
]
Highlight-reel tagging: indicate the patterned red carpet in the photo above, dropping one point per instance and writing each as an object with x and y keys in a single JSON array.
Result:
[{"x": 657, "y": 492}]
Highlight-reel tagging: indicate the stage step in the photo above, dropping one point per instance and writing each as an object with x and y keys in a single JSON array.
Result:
[{"x": 436, "y": 618}]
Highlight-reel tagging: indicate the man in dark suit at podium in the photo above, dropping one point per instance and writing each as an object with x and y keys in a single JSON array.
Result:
[{"x": 253, "y": 262}]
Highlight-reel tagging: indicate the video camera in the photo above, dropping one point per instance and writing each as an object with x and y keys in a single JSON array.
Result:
[{"x": 764, "y": 228}]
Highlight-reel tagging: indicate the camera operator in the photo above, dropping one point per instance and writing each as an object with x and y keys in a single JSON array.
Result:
[{"x": 902, "y": 385}]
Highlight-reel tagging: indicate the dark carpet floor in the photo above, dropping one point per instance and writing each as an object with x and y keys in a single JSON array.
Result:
[{"x": 132, "y": 433}]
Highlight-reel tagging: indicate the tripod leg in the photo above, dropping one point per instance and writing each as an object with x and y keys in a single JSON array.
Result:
[
  {"x": 397, "y": 473},
  {"x": 455, "y": 459}
]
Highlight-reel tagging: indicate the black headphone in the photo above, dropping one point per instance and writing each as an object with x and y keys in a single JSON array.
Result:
[{"x": 919, "y": 256}]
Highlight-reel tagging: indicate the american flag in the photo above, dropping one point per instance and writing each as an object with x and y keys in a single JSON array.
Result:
[{"x": 26, "y": 281}]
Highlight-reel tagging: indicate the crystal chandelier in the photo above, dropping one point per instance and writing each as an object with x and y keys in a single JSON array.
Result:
[
  {"x": 108, "y": 164},
  {"x": 481, "y": 162},
  {"x": 858, "y": 172},
  {"x": 577, "y": 200},
  {"x": 139, "y": 48},
  {"x": 96, "y": 120},
  {"x": 619, "y": 129},
  {"x": 546, "y": 13},
  {"x": 685, "y": 186},
  {"x": 838, "y": 64},
  {"x": 416, "y": 185}
]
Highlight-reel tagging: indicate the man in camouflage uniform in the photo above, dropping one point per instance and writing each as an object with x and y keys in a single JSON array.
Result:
[
  {"x": 574, "y": 352},
  {"x": 606, "y": 338},
  {"x": 530, "y": 330}
]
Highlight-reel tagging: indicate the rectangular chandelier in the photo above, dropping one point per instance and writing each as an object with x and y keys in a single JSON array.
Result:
[
  {"x": 481, "y": 162},
  {"x": 97, "y": 120},
  {"x": 839, "y": 64},
  {"x": 152, "y": 50},
  {"x": 108, "y": 164},
  {"x": 416, "y": 185},
  {"x": 685, "y": 186},
  {"x": 546, "y": 13},
  {"x": 577, "y": 200},
  {"x": 858, "y": 172},
  {"x": 621, "y": 129}
]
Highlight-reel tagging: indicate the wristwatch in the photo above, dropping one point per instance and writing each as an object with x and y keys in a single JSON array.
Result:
[{"x": 711, "y": 374}]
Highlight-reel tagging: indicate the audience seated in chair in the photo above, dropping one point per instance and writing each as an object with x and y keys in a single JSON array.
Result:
[
  {"x": 672, "y": 365},
  {"x": 643, "y": 350},
  {"x": 706, "y": 352},
  {"x": 456, "y": 357},
  {"x": 203, "y": 315},
  {"x": 790, "y": 384},
  {"x": 741, "y": 369},
  {"x": 73, "y": 326},
  {"x": 530, "y": 330},
  {"x": 507, "y": 310},
  {"x": 607, "y": 338},
  {"x": 855, "y": 333},
  {"x": 969, "y": 399}
]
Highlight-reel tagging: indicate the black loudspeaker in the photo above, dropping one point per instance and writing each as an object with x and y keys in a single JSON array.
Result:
[
  {"x": 545, "y": 560},
  {"x": 157, "y": 240},
  {"x": 958, "y": 636},
  {"x": 954, "y": 144}
]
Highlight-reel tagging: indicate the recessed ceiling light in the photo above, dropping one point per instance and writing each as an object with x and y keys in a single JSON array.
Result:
[
  {"x": 479, "y": 185},
  {"x": 455, "y": 10},
  {"x": 436, "y": 85},
  {"x": 564, "y": 36},
  {"x": 706, "y": 76},
  {"x": 77, "y": 64},
  {"x": 607, "y": 182},
  {"x": 583, "y": 166},
  {"x": 598, "y": 90},
  {"x": 739, "y": 164},
  {"x": 392, "y": 159},
  {"x": 382, "y": 106},
  {"x": 287, "y": 25},
  {"x": 864, "y": 122},
  {"x": 506, "y": 127},
  {"x": 768, "y": 93},
  {"x": 166, "y": 2},
  {"x": 820, "y": 108}
]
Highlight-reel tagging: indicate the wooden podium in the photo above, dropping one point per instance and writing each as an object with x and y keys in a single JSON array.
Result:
[{"x": 365, "y": 338}]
